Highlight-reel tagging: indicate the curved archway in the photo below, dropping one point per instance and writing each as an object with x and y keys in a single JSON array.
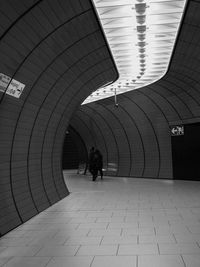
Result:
[{"x": 61, "y": 56}]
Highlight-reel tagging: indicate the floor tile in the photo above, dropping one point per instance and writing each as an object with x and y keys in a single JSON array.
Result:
[
  {"x": 44, "y": 233},
  {"x": 57, "y": 251},
  {"x": 15, "y": 233},
  {"x": 15, "y": 241},
  {"x": 77, "y": 214},
  {"x": 160, "y": 261},
  {"x": 77, "y": 261},
  {"x": 180, "y": 248},
  {"x": 33, "y": 227},
  {"x": 67, "y": 226},
  {"x": 99, "y": 214},
  {"x": 111, "y": 219},
  {"x": 91, "y": 240},
  {"x": 187, "y": 238},
  {"x": 3, "y": 260},
  {"x": 192, "y": 260},
  {"x": 114, "y": 261},
  {"x": 21, "y": 251},
  {"x": 138, "y": 249},
  {"x": 138, "y": 231},
  {"x": 156, "y": 239},
  {"x": 42, "y": 241},
  {"x": 74, "y": 232},
  {"x": 84, "y": 220},
  {"x": 114, "y": 240},
  {"x": 28, "y": 262},
  {"x": 104, "y": 232},
  {"x": 164, "y": 230},
  {"x": 101, "y": 225},
  {"x": 194, "y": 229},
  {"x": 125, "y": 213},
  {"x": 97, "y": 250},
  {"x": 146, "y": 223},
  {"x": 124, "y": 225}
]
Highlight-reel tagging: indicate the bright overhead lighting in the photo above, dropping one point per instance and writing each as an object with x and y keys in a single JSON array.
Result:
[{"x": 141, "y": 35}]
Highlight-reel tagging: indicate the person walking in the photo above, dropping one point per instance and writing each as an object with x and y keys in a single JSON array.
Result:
[{"x": 98, "y": 164}]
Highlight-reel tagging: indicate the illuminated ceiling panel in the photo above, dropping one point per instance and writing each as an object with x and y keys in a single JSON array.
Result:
[{"x": 141, "y": 35}]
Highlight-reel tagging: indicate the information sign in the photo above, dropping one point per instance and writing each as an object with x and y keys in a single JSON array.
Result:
[
  {"x": 177, "y": 130},
  {"x": 10, "y": 87}
]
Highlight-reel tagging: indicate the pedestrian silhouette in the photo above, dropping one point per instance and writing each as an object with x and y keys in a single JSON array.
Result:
[{"x": 97, "y": 164}]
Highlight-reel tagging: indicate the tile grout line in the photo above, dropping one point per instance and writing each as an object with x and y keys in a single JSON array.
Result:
[
  {"x": 121, "y": 231},
  {"x": 158, "y": 249},
  {"x": 117, "y": 249},
  {"x": 176, "y": 242},
  {"x": 77, "y": 227},
  {"x": 92, "y": 261},
  {"x": 188, "y": 229},
  {"x": 38, "y": 251},
  {"x": 154, "y": 228},
  {"x": 88, "y": 233},
  {"x": 107, "y": 226},
  {"x": 77, "y": 251},
  {"x": 183, "y": 260},
  {"x": 12, "y": 257},
  {"x": 101, "y": 240},
  {"x": 51, "y": 258},
  {"x": 137, "y": 261}
]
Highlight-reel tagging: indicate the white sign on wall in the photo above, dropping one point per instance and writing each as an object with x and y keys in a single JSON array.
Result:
[
  {"x": 12, "y": 87},
  {"x": 177, "y": 130}
]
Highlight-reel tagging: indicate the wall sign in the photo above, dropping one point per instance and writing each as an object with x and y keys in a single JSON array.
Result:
[
  {"x": 11, "y": 87},
  {"x": 177, "y": 130}
]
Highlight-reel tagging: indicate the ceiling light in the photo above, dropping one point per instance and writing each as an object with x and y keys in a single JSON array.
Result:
[{"x": 141, "y": 35}]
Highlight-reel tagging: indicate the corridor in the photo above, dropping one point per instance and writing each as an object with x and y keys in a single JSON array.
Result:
[{"x": 117, "y": 222}]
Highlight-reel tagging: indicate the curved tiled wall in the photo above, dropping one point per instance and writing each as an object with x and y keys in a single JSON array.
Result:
[
  {"x": 57, "y": 49},
  {"x": 135, "y": 137}
]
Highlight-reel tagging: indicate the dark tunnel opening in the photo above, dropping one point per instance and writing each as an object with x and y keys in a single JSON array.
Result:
[{"x": 74, "y": 150}]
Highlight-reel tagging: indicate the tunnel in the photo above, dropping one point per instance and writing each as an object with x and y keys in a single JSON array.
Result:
[{"x": 58, "y": 51}]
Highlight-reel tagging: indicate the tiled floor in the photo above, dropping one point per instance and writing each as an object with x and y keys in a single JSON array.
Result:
[{"x": 117, "y": 222}]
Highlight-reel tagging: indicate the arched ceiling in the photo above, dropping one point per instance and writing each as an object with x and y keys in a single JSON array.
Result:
[{"x": 135, "y": 137}]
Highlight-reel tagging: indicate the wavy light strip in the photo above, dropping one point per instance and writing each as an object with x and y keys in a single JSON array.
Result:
[{"x": 141, "y": 35}]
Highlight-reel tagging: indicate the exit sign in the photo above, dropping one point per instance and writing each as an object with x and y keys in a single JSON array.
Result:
[{"x": 177, "y": 130}]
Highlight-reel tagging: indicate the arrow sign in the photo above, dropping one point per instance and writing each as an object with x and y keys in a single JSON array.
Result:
[{"x": 177, "y": 130}]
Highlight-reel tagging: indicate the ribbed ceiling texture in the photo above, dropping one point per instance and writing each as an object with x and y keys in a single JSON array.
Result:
[{"x": 58, "y": 51}]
